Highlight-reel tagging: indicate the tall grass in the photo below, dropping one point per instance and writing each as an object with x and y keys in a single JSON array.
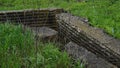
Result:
[
  {"x": 15, "y": 44},
  {"x": 18, "y": 50}
]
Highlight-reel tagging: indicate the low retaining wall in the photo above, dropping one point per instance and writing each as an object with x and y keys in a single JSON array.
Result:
[
  {"x": 70, "y": 27},
  {"x": 93, "y": 39},
  {"x": 33, "y": 18}
]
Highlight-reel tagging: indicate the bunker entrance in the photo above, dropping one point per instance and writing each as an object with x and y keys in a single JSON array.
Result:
[{"x": 73, "y": 33}]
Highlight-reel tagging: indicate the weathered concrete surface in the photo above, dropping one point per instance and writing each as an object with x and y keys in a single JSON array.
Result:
[
  {"x": 90, "y": 59},
  {"x": 45, "y": 33},
  {"x": 91, "y": 38},
  {"x": 96, "y": 33}
]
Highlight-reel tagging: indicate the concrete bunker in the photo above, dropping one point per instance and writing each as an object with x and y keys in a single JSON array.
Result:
[{"x": 69, "y": 28}]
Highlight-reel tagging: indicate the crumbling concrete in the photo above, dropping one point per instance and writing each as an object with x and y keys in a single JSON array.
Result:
[
  {"x": 91, "y": 38},
  {"x": 85, "y": 56}
]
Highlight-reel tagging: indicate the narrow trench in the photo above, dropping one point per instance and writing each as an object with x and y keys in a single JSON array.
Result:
[
  {"x": 75, "y": 51},
  {"x": 52, "y": 33}
]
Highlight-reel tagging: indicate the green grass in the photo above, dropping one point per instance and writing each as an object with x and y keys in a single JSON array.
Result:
[
  {"x": 15, "y": 44},
  {"x": 18, "y": 50},
  {"x": 101, "y": 13}
]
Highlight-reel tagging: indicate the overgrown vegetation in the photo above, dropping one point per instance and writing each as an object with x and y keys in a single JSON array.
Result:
[
  {"x": 101, "y": 13},
  {"x": 18, "y": 50}
]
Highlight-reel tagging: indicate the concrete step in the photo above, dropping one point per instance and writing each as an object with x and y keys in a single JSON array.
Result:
[{"x": 45, "y": 33}]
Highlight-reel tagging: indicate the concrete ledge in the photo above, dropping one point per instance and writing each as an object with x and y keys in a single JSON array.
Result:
[
  {"x": 93, "y": 39},
  {"x": 89, "y": 59}
]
